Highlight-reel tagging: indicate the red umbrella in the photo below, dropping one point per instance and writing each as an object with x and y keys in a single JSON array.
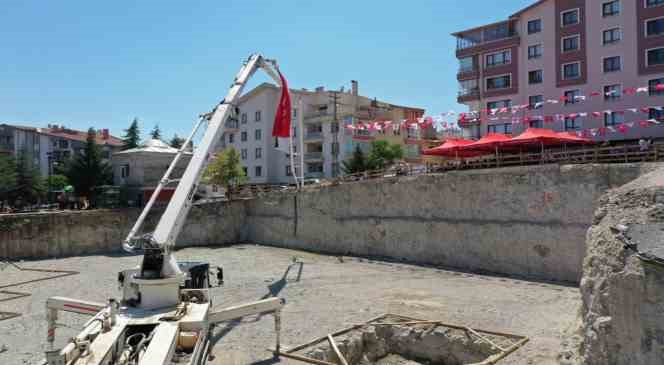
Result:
[
  {"x": 571, "y": 137},
  {"x": 451, "y": 148},
  {"x": 488, "y": 143}
]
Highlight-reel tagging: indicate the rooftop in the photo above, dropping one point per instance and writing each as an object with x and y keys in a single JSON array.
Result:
[{"x": 102, "y": 138}]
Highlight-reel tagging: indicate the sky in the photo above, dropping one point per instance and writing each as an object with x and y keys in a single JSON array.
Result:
[{"x": 102, "y": 63}]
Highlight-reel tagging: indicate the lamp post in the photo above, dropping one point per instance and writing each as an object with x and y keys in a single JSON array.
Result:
[{"x": 50, "y": 168}]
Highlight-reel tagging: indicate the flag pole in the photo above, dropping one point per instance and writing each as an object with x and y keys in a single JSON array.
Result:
[{"x": 300, "y": 126}]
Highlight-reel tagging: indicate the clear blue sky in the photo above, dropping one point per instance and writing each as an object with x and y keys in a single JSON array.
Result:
[{"x": 101, "y": 63}]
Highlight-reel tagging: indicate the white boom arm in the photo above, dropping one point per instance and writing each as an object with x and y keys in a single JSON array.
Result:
[{"x": 161, "y": 242}]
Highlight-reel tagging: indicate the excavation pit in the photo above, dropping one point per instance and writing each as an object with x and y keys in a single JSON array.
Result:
[{"x": 398, "y": 340}]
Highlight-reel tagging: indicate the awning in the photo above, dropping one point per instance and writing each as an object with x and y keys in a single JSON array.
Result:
[
  {"x": 450, "y": 148},
  {"x": 571, "y": 137},
  {"x": 546, "y": 137},
  {"x": 488, "y": 144}
]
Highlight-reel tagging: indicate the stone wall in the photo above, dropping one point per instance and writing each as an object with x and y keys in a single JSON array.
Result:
[
  {"x": 525, "y": 221},
  {"x": 102, "y": 231}
]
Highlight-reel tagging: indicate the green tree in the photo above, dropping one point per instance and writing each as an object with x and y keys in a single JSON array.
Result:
[
  {"x": 57, "y": 182},
  {"x": 357, "y": 163},
  {"x": 176, "y": 142},
  {"x": 383, "y": 154},
  {"x": 8, "y": 181},
  {"x": 156, "y": 132},
  {"x": 87, "y": 170},
  {"x": 225, "y": 170},
  {"x": 30, "y": 186},
  {"x": 132, "y": 136}
]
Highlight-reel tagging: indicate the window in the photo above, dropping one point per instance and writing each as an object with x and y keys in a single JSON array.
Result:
[
  {"x": 294, "y": 113},
  {"x": 276, "y": 142},
  {"x": 500, "y": 128},
  {"x": 243, "y": 136},
  {"x": 468, "y": 87},
  {"x": 612, "y": 64},
  {"x": 315, "y": 167},
  {"x": 246, "y": 171},
  {"x": 243, "y": 118},
  {"x": 534, "y": 26},
  {"x": 500, "y": 82},
  {"x": 259, "y": 153},
  {"x": 259, "y": 171},
  {"x": 289, "y": 172},
  {"x": 570, "y": 17},
  {"x": 467, "y": 64},
  {"x": 535, "y": 101},
  {"x": 655, "y": 57},
  {"x": 611, "y": 8},
  {"x": 243, "y": 153},
  {"x": 499, "y": 59},
  {"x": 612, "y": 92},
  {"x": 258, "y": 134},
  {"x": 125, "y": 171},
  {"x": 499, "y": 104},
  {"x": 572, "y": 124},
  {"x": 656, "y": 87},
  {"x": 334, "y": 127},
  {"x": 335, "y": 148},
  {"x": 650, "y": 3},
  {"x": 534, "y": 51},
  {"x": 231, "y": 137},
  {"x": 571, "y": 43},
  {"x": 611, "y": 36},
  {"x": 613, "y": 118},
  {"x": 654, "y": 27},
  {"x": 572, "y": 96},
  {"x": 657, "y": 114},
  {"x": 571, "y": 71},
  {"x": 535, "y": 77},
  {"x": 258, "y": 115},
  {"x": 537, "y": 123}
]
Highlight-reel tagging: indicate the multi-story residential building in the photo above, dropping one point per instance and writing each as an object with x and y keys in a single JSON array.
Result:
[
  {"x": 54, "y": 144},
  {"x": 589, "y": 52},
  {"x": 327, "y": 141}
]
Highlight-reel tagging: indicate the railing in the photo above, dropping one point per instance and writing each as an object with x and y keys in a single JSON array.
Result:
[
  {"x": 467, "y": 93},
  {"x": 313, "y": 156}
]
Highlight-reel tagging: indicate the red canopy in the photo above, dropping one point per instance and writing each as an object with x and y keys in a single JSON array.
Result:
[
  {"x": 451, "y": 148},
  {"x": 546, "y": 137},
  {"x": 488, "y": 143},
  {"x": 571, "y": 137}
]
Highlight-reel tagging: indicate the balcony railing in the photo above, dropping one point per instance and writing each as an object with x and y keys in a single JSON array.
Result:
[
  {"x": 312, "y": 136},
  {"x": 468, "y": 69},
  {"x": 232, "y": 124},
  {"x": 469, "y": 93},
  {"x": 488, "y": 34},
  {"x": 313, "y": 156}
]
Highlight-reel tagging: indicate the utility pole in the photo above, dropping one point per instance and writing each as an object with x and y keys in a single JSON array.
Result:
[{"x": 334, "y": 95}]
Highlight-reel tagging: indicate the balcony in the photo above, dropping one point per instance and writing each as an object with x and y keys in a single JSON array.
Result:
[
  {"x": 313, "y": 136},
  {"x": 468, "y": 95},
  {"x": 495, "y": 33},
  {"x": 232, "y": 124},
  {"x": 311, "y": 156}
]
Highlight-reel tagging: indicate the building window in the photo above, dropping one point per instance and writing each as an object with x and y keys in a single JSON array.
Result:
[
  {"x": 467, "y": 64},
  {"x": 570, "y": 17},
  {"x": 611, "y": 8},
  {"x": 651, "y": 3},
  {"x": 499, "y": 58},
  {"x": 259, "y": 153},
  {"x": 572, "y": 124},
  {"x": 246, "y": 170},
  {"x": 243, "y": 118},
  {"x": 500, "y": 128},
  {"x": 335, "y": 148},
  {"x": 125, "y": 171},
  {"x": 571, "y": 43},
  {"x": 537, "y": 123},
  {"x": 231, "y": 137},
  {"x": 535, "y": 77},
  {"x": 289, "y": 172},
  {"x": 612, "y": 64},
  {"x": 656, "y": 87},
  {"x": 654, "y": 27},
  {"x": 535, "y": 101},
  {"x": 611, "y": 36},
  {"x": 315, "y": 167},
  {"x": 499, "y": 104},
  {"x": 276, "y": 142},
  {"x": 655, "y": 57},
  {"x": 534, "y": 51},
  {"x": 243, "y": 153},
  {"x": 534, "y": 26},
  {"x": 613, "y": 118},
  {"x": 657, "y": 114},
  {"x": 258, "y": 134},
  {"x": 572, "y": 71},
  {"x": 572, "y": 96},
  {"x": 500, "y": 82},
  {"x": 258, "y": 115},
  {"x": 294, "y": 113},
  {"x": 334, "y": 127},
  {"x": 243, "y": 136},
  {"x": 612, "y": 92},
  {"x": 259, "y": 171}
]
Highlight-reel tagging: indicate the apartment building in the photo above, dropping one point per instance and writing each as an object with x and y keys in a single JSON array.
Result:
[
  {"x": 589, "y": 52},
  {"x": 326, "y": 140},
  {"x": 53, "y": 144}
]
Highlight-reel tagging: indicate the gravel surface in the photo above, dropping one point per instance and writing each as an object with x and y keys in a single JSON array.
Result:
[{"x": 331, "y": 293}]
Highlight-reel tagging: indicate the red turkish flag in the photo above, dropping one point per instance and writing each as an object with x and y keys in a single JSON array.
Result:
[{"x": 282, "y": 118}]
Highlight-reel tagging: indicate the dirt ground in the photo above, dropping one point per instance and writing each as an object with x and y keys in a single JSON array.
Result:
[{"x": 329, "y": 293}]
